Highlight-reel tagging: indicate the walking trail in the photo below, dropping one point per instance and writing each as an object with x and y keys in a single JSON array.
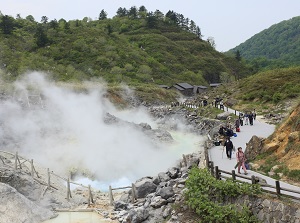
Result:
[{"x": 260, "y": 129}]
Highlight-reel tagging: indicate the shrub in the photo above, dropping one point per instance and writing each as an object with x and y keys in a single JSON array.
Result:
[{"x": 206, "y": 195}]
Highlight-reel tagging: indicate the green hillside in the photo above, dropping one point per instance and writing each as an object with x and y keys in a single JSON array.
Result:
[
  {"x": 277, "y": 46},
  {"x": 269, "y": 91},
  {"x": 135, "y": 46}
]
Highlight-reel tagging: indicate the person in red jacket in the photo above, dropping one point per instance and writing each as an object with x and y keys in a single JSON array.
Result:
[{"x": 240, "y": 157}]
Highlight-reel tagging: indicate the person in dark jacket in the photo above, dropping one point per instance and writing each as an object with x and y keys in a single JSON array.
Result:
[
  {"x": 229, "y": 147},
  {"x": 250, "y": 116}
]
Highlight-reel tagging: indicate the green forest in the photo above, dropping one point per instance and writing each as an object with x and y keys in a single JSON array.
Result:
[
  {"x": 135, "y": 46},
  {"x": 275, "y": 47}
]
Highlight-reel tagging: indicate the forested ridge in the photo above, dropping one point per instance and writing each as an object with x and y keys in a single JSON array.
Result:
[
  {"x": 135, "y": 46},
  {"x": 277, "y": 46}
]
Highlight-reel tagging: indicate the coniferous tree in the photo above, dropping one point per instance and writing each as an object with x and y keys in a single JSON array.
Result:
[
  {"x": 198, "y": 32},
  {"x": 193, "y": 27},
  {"x": 151, "y": 20},
  {"x": 142, "y": 12},
  {"x": 53, "y": 24},
  {"x": 133, "y": 12},
  {"x": 159, "y": 15},
  {"x": 102, "y": 15},
  {"x": 7, "y": 24},
  {"x": 44, "y": 19},
  {"x": 121, "y": 12},
  {"x": 41, "y": 37},
  {"x": 172, "y": 17}
]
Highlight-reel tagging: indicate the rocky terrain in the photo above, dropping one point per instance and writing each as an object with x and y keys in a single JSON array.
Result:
[{"x": 35, "y": 202}]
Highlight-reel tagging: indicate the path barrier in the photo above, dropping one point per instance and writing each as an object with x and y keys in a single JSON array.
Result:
[
  {"x": 111, "y": 197},
  {"x": 222, "y": 174},
  {"x": 22, "y": 164}
]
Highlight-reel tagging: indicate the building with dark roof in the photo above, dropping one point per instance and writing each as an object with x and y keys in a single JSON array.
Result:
[
  {"x": 199, "y": 89},
  {"x": 184, "y": 88}
]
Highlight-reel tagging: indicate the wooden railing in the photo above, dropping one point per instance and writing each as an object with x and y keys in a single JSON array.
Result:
[
  {"x": 20, "y": 164},
  {"x": 111, "y": 197},
  {"x": 222, "y": 174}
]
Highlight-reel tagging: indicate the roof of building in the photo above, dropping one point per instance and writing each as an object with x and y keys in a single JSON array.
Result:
[
  {"x": 178, "y": 87},
  {"x": 201, "y": 86},
  {"x": 185, "y": 85},
  {"x": 163, "y": 86},
  {"x": 214, "y": 84}
]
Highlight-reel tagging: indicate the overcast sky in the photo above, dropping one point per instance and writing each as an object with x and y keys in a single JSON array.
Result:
[{"x": 230, "y": 22}]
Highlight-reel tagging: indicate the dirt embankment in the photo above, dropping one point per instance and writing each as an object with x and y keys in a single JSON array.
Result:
[{"x": 285, "y": 142}]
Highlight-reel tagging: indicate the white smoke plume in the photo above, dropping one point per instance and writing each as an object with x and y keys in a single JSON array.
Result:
[{"x": 69, "y": 132}]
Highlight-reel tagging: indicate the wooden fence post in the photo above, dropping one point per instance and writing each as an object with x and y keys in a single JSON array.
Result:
[
  {"x": 111, "y": 198},
  {"x": 133, "y": 193},
  {"x": 206, "y": 156},
  {"x": 233, "y": 175},
  {"x": 31, "y": 165},
  {"x": 212, "y": 168},
  {"x": 277, "y": 183},
  {"x": 184, "y": 160},
  {"x": 90, "y": 195},
  {"x": 16, "y": 161},
  {"x": 217, "y": 172},
  {"x": 48, "y": 171},
  {"x": 253, "y": 179},
  {"x": 68, "y": 189}
]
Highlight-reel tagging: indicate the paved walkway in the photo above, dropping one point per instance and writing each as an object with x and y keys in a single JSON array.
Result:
[{"x": 259, "y": 129}]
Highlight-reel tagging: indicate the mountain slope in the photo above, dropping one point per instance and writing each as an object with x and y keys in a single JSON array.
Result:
[
  {"x": 280, "y": 42},
  {"x": 121, "y": 49}
]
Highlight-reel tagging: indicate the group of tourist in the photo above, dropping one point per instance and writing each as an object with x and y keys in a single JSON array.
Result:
[
  {"x": 247, "y": 118},
  {"x": 227, "y": 132}
]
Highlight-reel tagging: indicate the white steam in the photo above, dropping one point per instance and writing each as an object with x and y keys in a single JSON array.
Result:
[{"x": 69, "y": 132}]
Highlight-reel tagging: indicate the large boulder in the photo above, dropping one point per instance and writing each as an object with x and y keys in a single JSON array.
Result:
[
  {"x": 254, "y": 147},
  {"x": 166, "y": 192},
  {"x": 163, "y": 177},
  {"x": 15, "y": 207},
  {"x": 144, "y": 187},
  {"x": 223, "y": 116},
  {"x": 137, "y": 215}
]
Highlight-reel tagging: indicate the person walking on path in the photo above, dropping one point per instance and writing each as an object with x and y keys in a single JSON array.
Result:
[
  {"x": 254, "y": 114},
  {"x": 246, "y": 118},
  {"x": 250, "y": 116},
  {"x": 240, "y": 157},
  {"x": 229, "y": 147}
]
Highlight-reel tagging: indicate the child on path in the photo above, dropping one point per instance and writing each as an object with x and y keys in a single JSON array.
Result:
[{"x": 240, "y": 157}]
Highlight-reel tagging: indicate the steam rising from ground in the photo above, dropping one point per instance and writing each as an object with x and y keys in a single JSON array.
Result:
[{"x": 70, "y": 132}]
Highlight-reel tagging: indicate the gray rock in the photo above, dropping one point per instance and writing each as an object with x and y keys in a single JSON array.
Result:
[
  {"x": 156, "y": 180},
  {"x": 173, "y": 172},
  {"x": 142, "y": 190},
  {"x": 157, "y": 202},
  {"x": 166, "y": 192},
  {"x": 167, "y": 212},
  {"x": 163, "y": 177},
  {"x": 120, "y": 205},
  {"x": 19, "y": 209},
  {"x": 223, "y": 116},
  {"x": 137, "y": 215}
]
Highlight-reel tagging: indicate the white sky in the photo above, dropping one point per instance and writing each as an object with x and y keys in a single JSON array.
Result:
[{"x": 230, "y": 22}]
